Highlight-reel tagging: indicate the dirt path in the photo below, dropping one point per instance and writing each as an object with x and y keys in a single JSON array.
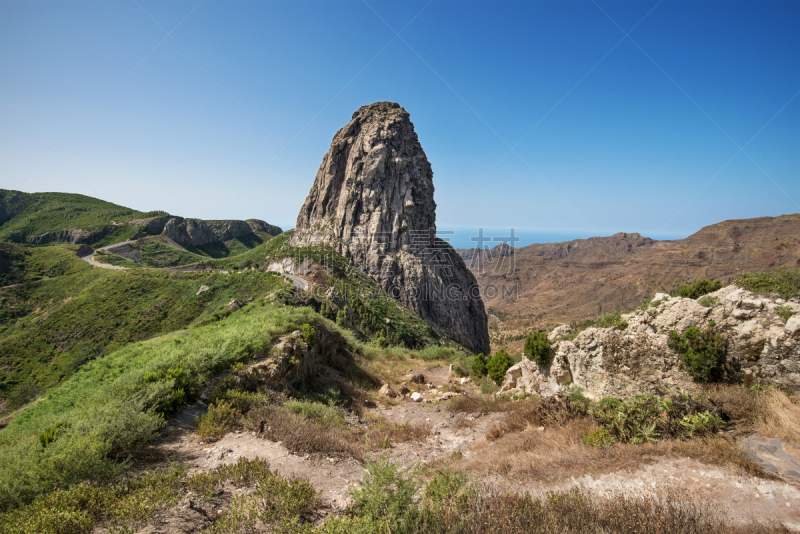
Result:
[{"x": 454, "y": 435}]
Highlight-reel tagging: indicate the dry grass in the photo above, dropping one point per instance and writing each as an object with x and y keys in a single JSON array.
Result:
[
  {"x": 770, "y": 412},
  {"x": 303, "y": 435},
  {"x": 780, "y": 417},
  {"x": 484, "y": 404},
  {"x": 557, "y": 453}
]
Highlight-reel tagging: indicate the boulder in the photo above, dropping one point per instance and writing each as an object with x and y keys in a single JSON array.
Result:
[
  {"x": 202, "y": 289},
  {"x": 559, "y": 331},
  {"x": 416, "y": 396},
  {"x": 418, "y": 379}
]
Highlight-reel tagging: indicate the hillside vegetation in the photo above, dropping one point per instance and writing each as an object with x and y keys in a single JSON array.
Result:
[{"x": 24, "y": 216}]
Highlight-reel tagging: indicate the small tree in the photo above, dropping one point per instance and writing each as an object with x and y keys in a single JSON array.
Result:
[
  {"x": 341, "y": 317},
  {"x": 498, "y": 365},
  {"x": 537, "y": 348},
  {"x": 479, "y": 366}
]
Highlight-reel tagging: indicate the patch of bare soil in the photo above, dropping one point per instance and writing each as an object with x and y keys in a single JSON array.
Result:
[{"x": 459, "y": 438}]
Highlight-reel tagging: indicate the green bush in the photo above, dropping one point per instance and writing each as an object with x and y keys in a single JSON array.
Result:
[
  {"x": 309, "y": 334},
  {"x": 326, "y": 415},
  {"x": 537, "y": 348},
  {"x": 703, "y": 353},
  {"x": 341, "y": 318},
  {"x": 784, "y": 312},
  {"x": 220, "y": 418},
  {"x": 599, "y": 437},
  {"x": 649, "y": 418},
  {"x": 497, "y": 365},
  {"x": 612, "y": 319},
  {"x": 386, "y": 494},
  {"x": 708, "y": 301},
  {"x": 478, "y": 366},
  {"x": 784, "y": 282},
  {"x": 699, "y": 288}
]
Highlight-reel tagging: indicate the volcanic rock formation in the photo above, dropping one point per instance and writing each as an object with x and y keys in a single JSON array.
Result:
[{"x": 372, "y": 201}]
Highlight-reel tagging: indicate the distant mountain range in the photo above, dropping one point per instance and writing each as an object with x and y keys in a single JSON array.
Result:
[{"x": 544, "y": 284}]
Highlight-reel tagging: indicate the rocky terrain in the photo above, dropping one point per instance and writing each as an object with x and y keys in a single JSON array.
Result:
[
  {"x": 554, "y": 283},
  {"x": 372, "y": 201},
  {"x": 196, "y": 232},
  {"x": 762, "y": 335}
]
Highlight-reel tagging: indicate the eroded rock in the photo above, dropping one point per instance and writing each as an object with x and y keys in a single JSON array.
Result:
[
  {"x": 372, "y": 201},
  {"x": 607, "y": 362}
]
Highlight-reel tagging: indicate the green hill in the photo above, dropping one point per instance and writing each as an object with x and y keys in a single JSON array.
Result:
[{"x": 46, "y": 217}]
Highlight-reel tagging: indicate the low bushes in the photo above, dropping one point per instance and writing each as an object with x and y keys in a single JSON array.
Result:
[
  {"x": 703, "y": 353},
  {"x": 784, "y": 282},
  {"x": 699, "y": 288},
  {"x": 451, "y": 504},
  {"x": 613, "y": 319}
]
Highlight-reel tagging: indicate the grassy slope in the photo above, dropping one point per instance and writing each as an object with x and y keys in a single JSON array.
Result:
[
  {"x": 51, "y": 212},
  {"x": 368, "y": 306},
  {"x": 108, "y": 406},
  {"x": 50, "y": 327}
]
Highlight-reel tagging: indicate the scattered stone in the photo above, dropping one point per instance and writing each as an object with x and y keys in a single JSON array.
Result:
[
  {"x": 465, "y": 380},
  {"x": 212, "y": 439},
  {"x": 418, "y": 379},
  {"x": 202, "y": 289},
  {"x": 404, "y": 389},
  {"x": 234, "y": 305},
  {"x": 449, "y": 395},
  {"x": 387, "y": 391}
]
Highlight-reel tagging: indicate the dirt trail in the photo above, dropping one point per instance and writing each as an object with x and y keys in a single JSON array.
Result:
[{"x": 741, "y": 498}]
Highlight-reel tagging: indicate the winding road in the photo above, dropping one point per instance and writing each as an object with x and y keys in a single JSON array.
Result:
[
  {"x": 90, "y": 258},
  {"x": 298, "y": 282}
]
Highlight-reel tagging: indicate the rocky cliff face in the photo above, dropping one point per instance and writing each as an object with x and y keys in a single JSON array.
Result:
[
  {"x": 195, "y": 232},
  {"x": 763, "y": 346},
  {"x": 372, "y": 201}
]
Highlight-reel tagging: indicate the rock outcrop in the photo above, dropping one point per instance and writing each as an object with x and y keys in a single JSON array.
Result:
[
  {"x": 762, "y": 346},
  {"x": 196, "y": 232},
  {"x": 372, "y": 201}
]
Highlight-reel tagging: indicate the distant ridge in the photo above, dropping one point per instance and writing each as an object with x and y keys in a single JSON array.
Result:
[
  {"x": 41, "y": 218},
  {"x": 582, "y": 278}
]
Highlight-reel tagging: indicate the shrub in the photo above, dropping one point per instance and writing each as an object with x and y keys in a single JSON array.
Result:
[
  {"x": 386, "y": 493},
  {"x": 220, "y": 418},
  {"x": 479, "y": 366},
  {"x": 784, "y": 281},
  {"x": 497, "y": 365},
  {"x": 708, "y": 301},
  {"x": 326, "y": 415},
  {"x": 309, "y": 334},
  {"x": 703, "y": 353},
  {"x": 648, "y": 418},
  {"x": 699, "y": 288},
  {"x": 51, "y": 433},
  {"x": 784, "y": 312},
  {"x": 537, "y": 348},
  {"x": 612, "y": 319},
  {"x": 341, "y": 318},
  {"x": 598, "y": 438}
]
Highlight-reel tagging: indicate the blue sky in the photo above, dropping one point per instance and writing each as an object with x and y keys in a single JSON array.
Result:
[{"x": 541, "y": 116}]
